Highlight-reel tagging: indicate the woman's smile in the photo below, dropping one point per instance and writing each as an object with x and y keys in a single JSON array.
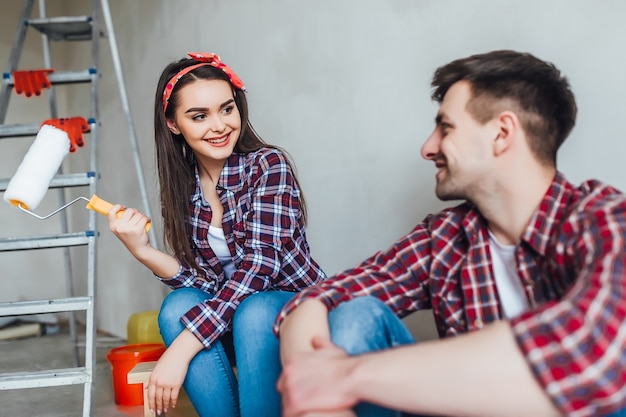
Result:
[{"x": 219, "y": 141}]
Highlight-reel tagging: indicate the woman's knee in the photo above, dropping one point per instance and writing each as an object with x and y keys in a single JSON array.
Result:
[
  {"x": 177, "y": 303},
  {"x": 261, "y": 307}
]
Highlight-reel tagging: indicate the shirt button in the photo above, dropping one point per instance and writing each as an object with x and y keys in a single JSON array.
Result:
[{"x": 478, "y": 323}]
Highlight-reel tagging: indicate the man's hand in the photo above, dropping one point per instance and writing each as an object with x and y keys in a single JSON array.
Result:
[{"x": 317, "y": 382}]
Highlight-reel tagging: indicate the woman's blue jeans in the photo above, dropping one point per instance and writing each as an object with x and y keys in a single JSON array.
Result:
[{"x": 210, "y": 383}]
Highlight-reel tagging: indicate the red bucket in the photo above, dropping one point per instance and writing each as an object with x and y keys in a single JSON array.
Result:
[{"x": 123, "y": 359}]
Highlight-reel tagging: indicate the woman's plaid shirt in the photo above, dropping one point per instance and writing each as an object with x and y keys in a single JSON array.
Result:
[{"x": 265, "y": 232}]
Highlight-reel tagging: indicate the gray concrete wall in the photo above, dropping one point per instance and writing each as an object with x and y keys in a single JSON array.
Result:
[{"x": 344, "y": 87}]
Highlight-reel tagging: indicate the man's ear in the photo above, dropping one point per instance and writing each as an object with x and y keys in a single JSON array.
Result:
[
  {"x": 172, "y": 127},
  {"x": 508, "y": 129}
]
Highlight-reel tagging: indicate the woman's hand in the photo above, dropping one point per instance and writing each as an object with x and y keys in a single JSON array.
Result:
[
  {"x": 165, "y": 381},
  {"x": 129, "y": 225},
  {"x": 170, "y": 371},
  {"x": 130, "y": 228}
]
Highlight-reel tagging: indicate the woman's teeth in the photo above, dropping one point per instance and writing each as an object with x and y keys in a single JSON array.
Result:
[{"x": 219, "y": 140}]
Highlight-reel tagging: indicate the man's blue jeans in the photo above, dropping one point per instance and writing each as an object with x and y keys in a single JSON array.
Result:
[
  {"x": 366, "y": 324},
  {"x": 210, "y": 383}
]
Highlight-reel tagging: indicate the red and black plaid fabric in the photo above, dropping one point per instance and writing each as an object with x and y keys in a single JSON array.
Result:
[
  {"x": 265, "y": 232},
  {"x": 571, "y": 263}
]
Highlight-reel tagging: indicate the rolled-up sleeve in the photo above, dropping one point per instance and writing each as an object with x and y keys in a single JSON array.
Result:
[
  {"x": 576, "y": 346},
  {"x": 397, "y": 276}
]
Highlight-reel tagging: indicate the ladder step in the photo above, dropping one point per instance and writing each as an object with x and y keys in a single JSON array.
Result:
[
  {"x": 61, "y": 181},
  {"x": 72, "y": 28},
  {"x": 50, "y": 378},
  {"x": 59, "y": 305},
  {"x": 20, "y": 129},
  {"x": 62, "y": 77},
  {"x": 44, "y": 242},
  {"x": 28, "y": 129}
]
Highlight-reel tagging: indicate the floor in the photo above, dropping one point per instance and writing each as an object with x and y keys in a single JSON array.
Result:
[{"x": 54, "y": 352}]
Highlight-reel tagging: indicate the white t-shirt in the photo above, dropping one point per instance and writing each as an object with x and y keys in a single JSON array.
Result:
[
  {"x": 510, "y": 289},
  {"x": 217, "y": 241}
]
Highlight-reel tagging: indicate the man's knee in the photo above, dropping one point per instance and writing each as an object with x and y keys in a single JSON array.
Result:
[{"x": 358, "y": 326}]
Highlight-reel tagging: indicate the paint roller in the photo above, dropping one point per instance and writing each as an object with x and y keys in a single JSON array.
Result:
[{"x": 30, "y": 183}]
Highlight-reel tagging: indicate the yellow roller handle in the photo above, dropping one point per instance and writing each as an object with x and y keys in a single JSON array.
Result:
[{"x": 103, "y": 207}]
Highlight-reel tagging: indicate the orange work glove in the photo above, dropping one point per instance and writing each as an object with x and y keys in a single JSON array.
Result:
[
  {"x": 74, "y": 127},
  {"x": 31, "y": 82}
]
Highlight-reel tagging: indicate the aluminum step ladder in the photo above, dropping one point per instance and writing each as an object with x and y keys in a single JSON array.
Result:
[{"x": 63, "y": 29}]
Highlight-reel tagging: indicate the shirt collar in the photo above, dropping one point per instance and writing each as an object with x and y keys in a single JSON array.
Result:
[
  {"x": 234, "y": 172},
  {"x": 473, "y": 222},
  {"x": 232, "y": 176},
  {"x": 548, "y": 214}
]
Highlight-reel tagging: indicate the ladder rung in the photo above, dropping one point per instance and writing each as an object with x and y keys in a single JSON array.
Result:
[
  {"x": 73, "y": 180},
  {"x": 28, "y": 129},
  {"x": 71, "y": 28},
  {"x": 44, "y": 242},
  {"x": 62, "y": 181},
  {"x": 59, "y": 305},
  {"x": 62, "y": 77},
  {"x": 21, "y": 129},
  {"x": 50, "y": 378}
]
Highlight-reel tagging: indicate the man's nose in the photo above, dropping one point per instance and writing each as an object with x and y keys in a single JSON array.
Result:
[{"x": 430, "y": 148}]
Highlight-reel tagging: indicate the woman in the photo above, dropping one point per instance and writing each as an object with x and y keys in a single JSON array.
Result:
[{"x": 234, "y": 219}]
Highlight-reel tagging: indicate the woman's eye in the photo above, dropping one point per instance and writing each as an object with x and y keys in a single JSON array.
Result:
[
  {"x": 199, "y": 117},
  {"x": 228, "y": 109}
]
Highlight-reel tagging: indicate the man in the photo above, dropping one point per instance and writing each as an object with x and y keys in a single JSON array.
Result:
[{"x": 528, "y": 273}]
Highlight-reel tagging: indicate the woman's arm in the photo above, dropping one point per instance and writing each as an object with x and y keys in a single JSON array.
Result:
[
  {"x": 130, "y": 229},
  {"x": 169, "y": 373}
]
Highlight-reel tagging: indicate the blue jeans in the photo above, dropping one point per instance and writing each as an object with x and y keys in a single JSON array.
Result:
[
  {"x": 366, "y": 324},
  {"x": 210, "y": 383}
]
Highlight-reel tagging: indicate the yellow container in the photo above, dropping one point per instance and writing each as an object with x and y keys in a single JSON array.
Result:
[{"x": 143, "y": 327}]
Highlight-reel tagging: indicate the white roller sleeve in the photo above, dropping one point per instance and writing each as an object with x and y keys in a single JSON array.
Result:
[{"x": 32, "y": 178}]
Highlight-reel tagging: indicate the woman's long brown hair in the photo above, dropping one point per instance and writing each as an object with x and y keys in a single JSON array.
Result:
[{"x": 176, "y": 161}]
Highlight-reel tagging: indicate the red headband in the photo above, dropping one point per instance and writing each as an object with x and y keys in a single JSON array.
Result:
[{"x": 207, "y": 58}]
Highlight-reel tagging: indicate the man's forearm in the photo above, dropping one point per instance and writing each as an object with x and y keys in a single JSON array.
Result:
[
  {"x": 309, "y": 319},
  {"x": 478, "y": 374}
]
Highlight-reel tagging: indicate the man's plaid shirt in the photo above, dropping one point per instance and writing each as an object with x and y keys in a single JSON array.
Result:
[{"x": 571, "y": 263}]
